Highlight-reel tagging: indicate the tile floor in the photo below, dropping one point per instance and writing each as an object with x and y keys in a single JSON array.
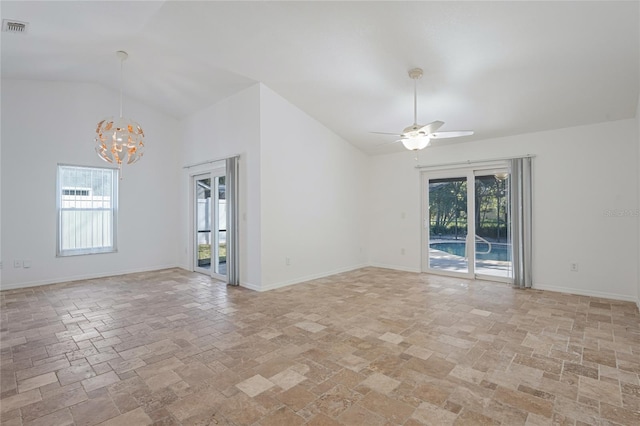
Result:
[{"x": 368, "y": 347}]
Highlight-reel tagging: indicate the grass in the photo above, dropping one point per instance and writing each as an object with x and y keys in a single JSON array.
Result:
[{"x": 204, "y": 251}]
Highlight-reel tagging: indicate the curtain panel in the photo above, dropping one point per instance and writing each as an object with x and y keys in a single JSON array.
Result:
[
  {"x": 233, "y": 257},
  {"x": 521, "y": 213}
]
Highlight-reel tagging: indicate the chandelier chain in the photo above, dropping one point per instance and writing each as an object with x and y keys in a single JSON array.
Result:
[{"x": 121, "y": 66}]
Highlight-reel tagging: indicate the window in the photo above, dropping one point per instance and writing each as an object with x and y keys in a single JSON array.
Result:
[
  {"x": 84, "y": 192},
  {"x": 87, "y": 200}
]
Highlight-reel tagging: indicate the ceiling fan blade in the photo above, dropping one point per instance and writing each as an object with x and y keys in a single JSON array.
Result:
[
  {"x": 453, "y": 134},
  {"x": 431, "y": 127},
  {"x": 385, "y": 133}
]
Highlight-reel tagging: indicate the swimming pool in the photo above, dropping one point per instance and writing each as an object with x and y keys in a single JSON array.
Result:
[{"x": 499, "y": 251}]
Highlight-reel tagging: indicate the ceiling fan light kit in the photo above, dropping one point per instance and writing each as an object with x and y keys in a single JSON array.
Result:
[
  {"x": 415, "y": 143},
  {"x": 418, "y": 136}
]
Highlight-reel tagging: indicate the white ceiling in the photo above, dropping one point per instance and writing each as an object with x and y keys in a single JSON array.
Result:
[{"x": 499, "y": 68}]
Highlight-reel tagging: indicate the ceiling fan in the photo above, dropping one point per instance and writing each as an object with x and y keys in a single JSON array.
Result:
[{"x": 418, "y": 136}]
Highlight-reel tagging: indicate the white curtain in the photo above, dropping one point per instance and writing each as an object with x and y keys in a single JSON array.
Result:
[
  {"x": 231, "y": 192},
  {"x": 521, "y": 212}
]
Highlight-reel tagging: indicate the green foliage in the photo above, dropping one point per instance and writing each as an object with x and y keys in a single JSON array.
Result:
[
  {"x": 204, "y": 251},
  {"x": 494, "y": 232},
  {"x": 448, "y": 231},
  {"x": 448, "y": 207},
  {"x": 447, "y": 203}
]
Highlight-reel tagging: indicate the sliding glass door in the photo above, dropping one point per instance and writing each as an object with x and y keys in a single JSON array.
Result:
[
  {"x": 493, "y": 255},
  {"x": 467, "y": 223},
  {"x": 448, "y": 224},
  {"x": 220, "y": 227},
  {"x": 203, "y": 215}
]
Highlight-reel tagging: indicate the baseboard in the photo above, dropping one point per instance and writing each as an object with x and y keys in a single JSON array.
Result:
[
  {"x": 246, "y": 285},
  {"x": 15, "y": 286},
  {"x": 310, "y": 277},
  {"x": 394, "y": 267},
  {"x": 250, "y": 286},
  {"x": 583, "y": 292},
  {"x": 255, "y": 287}
]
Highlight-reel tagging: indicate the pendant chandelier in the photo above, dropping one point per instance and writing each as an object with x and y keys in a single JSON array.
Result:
[{"x": 119, "y": 140}]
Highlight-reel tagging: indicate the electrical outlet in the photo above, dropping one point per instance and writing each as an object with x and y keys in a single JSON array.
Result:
[
  {"x": 573, "y": 266},
  {"x": 402, "y": 251},
  {"x": 287, "y": 261},
  {"x": 17, "y": 263}
]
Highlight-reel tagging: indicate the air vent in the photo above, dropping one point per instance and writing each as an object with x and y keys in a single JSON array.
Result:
[{"x": 16, "y": 27}]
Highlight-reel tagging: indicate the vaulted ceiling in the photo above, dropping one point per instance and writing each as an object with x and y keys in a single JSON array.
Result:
[{"x": 499, "y": 68}]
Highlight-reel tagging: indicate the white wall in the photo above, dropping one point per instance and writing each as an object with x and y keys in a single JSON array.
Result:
[
  {"x": 227, "y": 128},
  {"x": 314, "y": 196},
  {"x": 307, "y": 195},
  {"x": 303, "y": 188},
  {"x": 1, "y": 258},
  {"x": 638, "y": 171},
  {"x": 579, "y": 174},
  {"x": 394, "y": 212},
  {"x": 46, "y": 123}
]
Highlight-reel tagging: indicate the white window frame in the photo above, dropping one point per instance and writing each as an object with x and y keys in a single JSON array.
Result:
[{"x": 60, "y": 252}]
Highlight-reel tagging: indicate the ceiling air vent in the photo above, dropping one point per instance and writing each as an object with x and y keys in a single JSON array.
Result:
[{"x": 16, "y": 27}]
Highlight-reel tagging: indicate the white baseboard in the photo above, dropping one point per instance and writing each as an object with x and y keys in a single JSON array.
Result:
[
  {"x": 395, "y": 267},
  {"x": 250, "y": 286},
  {"x": 14, "y": 286},
  {"x": 309, "y": 277},
  {"x": 584, "y": 292},
  {"x": 247, "y": 285}
]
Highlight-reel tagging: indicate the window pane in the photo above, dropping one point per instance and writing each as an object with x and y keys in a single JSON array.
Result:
[{"x": 86, "y": 210}]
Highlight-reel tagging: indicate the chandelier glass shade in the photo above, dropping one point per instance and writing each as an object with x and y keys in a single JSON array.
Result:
[
  {"x": 118, "y": 139},
  {"x": 415, "y": 143}
]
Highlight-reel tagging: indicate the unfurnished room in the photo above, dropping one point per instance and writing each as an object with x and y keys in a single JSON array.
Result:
[{"x": 319, "y": 213}]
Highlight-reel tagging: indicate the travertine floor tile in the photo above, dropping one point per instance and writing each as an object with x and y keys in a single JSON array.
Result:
[
  {"x": 310, "y": 326},
  {"x": 14, "y": 402},
  {"x": 36, "y": 382},
  {"x": 391, "y": 338},
  {"x": 381, "y": 383},
  {"x": 94, "y": 411},
  {"x": 134, "y": 417},
  {"x": 255, "y": 385},
  {"x": 429, "y": 414},
  {"x": 287, "y": 379},
  {"x": 367, "y": 347},
  {"x": 58, "y": 418},
  {"x": 100, "y": 381}
]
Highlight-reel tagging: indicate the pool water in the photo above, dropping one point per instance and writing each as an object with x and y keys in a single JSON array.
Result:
[{"x": 499, "y": 251}]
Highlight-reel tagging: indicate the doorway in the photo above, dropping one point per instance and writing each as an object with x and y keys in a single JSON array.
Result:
[
  {"x": 467, "y": 230},
  {"x": 210, "y": 219}
]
